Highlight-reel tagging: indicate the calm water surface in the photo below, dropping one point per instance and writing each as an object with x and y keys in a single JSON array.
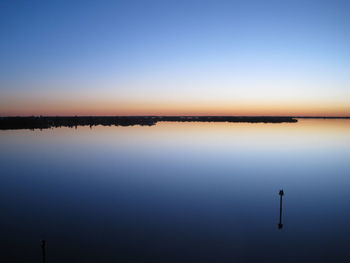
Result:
[{"x": 177, "y": 192}]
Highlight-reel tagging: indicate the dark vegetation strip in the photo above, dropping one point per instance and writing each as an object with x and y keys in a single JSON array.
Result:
[{"x": 11, "y": 123}]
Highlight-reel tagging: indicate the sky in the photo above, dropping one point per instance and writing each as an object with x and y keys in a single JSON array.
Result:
[{"x": 168, "y": 57}]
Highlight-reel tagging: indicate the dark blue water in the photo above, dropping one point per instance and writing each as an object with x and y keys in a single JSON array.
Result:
[{"x": 177, "y": 192}]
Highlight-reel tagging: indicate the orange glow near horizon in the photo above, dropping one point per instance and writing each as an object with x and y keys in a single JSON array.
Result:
[{"x": 109, "y": 108}]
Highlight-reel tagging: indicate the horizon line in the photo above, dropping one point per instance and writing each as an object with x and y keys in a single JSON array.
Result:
[{"x": 289, "y": 116}]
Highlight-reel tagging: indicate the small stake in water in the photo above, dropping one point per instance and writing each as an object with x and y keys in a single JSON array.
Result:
[
  {"x": 281, "y": 194},
  {"x": 43, "y": 249}
]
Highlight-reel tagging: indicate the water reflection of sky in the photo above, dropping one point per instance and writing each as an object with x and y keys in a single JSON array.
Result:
[{"x": 177, "y": 192}]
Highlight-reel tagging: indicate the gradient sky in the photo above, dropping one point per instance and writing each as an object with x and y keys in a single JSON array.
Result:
[{"x": 175, "y": 57}]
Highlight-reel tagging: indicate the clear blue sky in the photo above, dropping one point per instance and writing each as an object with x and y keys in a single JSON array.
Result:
[{"x": 174, "y": 57}]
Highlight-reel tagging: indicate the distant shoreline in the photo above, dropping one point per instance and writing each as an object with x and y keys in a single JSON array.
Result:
[{"x": 47, "y": 122}]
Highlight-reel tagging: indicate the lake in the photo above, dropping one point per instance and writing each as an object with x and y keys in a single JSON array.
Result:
[{"x": 177, "y": 192}]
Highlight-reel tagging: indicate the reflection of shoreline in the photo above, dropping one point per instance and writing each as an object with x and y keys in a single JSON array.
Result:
[{"x": 12, "y": 123}]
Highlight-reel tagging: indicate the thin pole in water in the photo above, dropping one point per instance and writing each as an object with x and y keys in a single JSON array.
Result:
[
  {"x": 281, "y": 194},
  {"x": 43, "y": 250}
]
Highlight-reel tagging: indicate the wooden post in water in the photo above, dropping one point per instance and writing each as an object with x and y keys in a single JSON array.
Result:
[
  {"x": 43, "y": 250},
  {"x": 281, "y": 194}
]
